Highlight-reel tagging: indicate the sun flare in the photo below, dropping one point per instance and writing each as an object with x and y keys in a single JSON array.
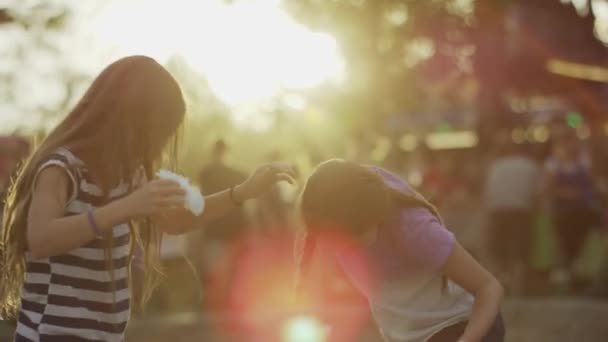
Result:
[{"x": 248, "y": 50}]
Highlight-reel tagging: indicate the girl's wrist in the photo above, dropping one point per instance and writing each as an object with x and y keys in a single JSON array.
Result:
[
  {"x": 115, "y": 212},
  {"x": 238, "y": 194},
  {"x": 123, "y": 208}
]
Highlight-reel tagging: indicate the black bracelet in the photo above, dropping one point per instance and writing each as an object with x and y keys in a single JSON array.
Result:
[{"x": 234, "y": 201}]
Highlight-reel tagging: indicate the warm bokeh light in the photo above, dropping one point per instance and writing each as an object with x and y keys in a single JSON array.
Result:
[
  {"x": 408, "y": 142},
  {"x": 541, "y": 134},
  {"x": 264, "y": 303},
  {"x": 451, "y": 140},
  {"x": 578, "y": 70},
  {"x": 304, "y": 329},
  {"x": 248, "y": 50},
  {"x": 518, "y": 135}
]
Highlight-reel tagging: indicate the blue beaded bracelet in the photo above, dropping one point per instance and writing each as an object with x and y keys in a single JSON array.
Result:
[{"x": 93, "y": 223}]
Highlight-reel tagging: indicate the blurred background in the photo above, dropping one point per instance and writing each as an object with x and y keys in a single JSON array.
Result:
[{"x": 496, "y": 110}]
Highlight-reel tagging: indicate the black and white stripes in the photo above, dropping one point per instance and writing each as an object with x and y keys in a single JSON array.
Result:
[{"x": 71, "y": 297}]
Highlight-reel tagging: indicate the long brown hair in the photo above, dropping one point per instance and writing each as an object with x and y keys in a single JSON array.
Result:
[
  {"x": 123, "y": 125},
  {"x": 346, "y": 198}
]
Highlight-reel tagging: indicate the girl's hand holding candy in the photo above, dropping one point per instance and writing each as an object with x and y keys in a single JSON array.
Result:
[
  {"x": 194, "y": 200},
  {"x": 154, "y": 197}
]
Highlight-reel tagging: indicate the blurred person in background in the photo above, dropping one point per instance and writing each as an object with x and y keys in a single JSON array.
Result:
[
  {"x": 179, "y": 290},
  {"x": 599, "y": 287},
  {"x": 273, "y": 208},
  {"x": 511, "y": 194},
  {"x": 573, "y": 199},
  {"x": 438, "y": 184},
  {"x": 449, "y": 188},
  {"x": 222, "y": 237}
]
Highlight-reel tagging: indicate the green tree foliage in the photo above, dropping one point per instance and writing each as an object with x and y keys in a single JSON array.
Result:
[
  {"x": 37, "y": 81},
  {"x": 386, "y": 44}
]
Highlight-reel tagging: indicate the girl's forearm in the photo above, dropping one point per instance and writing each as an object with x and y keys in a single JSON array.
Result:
[
  {"x": 221, "y": 203},
  {"x": 485, "y": 310},
  {"x": 216, "y": 206},
  {"x": 60, "y": 235}
]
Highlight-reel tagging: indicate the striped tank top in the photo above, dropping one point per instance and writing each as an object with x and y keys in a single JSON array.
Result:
[{"x": 71, "y": 297}]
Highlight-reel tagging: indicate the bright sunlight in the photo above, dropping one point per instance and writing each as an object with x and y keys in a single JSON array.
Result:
[
  {"x": 304, "y": 329},
  {"x": 249, "y": 51}
]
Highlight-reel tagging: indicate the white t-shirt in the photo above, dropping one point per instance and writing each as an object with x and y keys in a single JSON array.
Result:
[
  {"x": 512, "y": 183},
  {"x": 400, "y": 274}
]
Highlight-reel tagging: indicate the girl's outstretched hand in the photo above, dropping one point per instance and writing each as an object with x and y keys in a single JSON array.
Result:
[
  {"x": 263, "y": 178},
  {"x": 154, "y": 197}
]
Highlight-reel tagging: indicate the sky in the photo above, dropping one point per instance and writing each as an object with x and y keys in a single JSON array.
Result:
[{"x": 249, "y": 51}]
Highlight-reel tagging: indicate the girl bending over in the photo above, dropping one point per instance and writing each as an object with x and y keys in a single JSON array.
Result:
[{"x": 425, "y": 287}]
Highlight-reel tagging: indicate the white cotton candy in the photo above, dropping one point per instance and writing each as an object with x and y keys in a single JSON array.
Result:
[{"x": 195, "y": 202}]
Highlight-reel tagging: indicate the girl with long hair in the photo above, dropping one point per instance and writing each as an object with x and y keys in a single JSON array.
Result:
[
  {"x": 87, "y": 199},
  {"x": 420, "y": 283}
]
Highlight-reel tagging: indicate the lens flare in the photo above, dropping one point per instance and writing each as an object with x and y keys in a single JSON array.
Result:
[
  {"x": 304, "y": 329},
  {"x": 263, "y": 294},
  {"x": 233, "y": 44}
]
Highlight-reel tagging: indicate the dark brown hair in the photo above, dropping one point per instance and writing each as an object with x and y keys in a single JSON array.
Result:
[{"x": 347, "y": 198}]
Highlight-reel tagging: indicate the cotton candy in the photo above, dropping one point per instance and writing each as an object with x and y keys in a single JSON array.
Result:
[{"x": 195, "y": 202}]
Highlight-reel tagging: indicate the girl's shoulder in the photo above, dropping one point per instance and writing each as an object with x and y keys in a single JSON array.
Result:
[
  {"x": 393, "y": 180},
  {"x": 416, "y": 234},
  {"x": 64, "y": 159},
  {"x": 61, "y": 157}
]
